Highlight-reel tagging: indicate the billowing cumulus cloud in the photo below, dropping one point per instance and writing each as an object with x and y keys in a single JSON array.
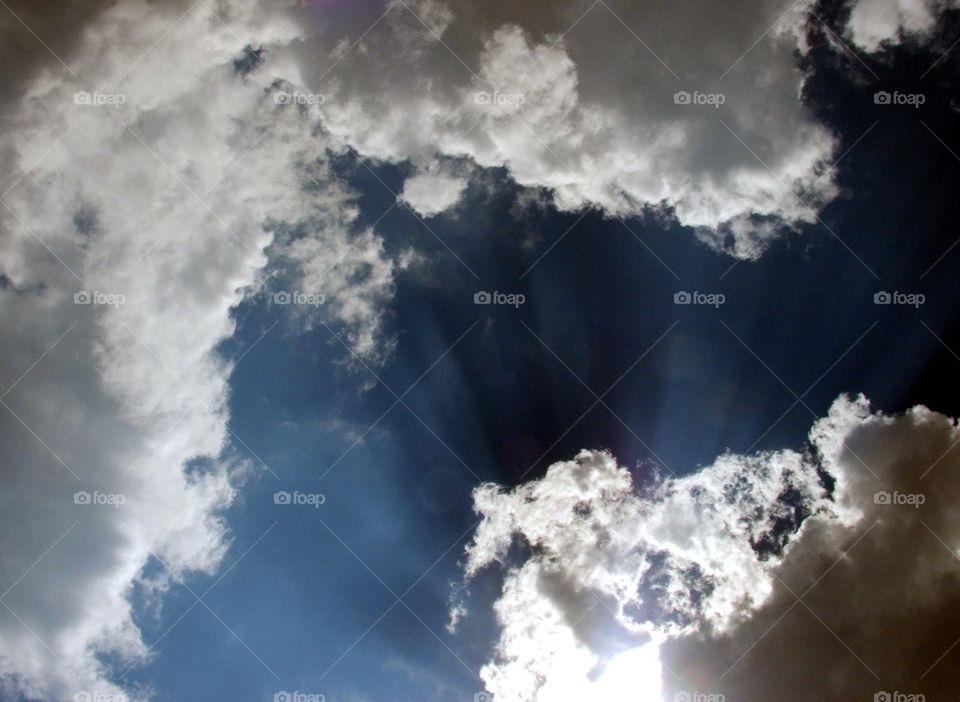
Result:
[
  {"x": 174, "y": 159},
  {"x": 155, "y": 180},
  {"x": 845, "y": 555},
  {"x": 876, "y": 22},
  {"x": 695, "y": 109}
]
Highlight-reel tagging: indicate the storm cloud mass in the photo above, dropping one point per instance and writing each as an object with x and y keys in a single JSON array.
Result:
[{"x": 753, "y": 575}]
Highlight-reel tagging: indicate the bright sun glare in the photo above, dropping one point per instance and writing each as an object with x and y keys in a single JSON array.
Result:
[{"x": 634, "y": 676}]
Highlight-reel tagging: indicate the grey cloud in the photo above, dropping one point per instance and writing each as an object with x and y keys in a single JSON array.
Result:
[
  {"x": 711, "y": 566},
  {"x": 102, "y": 203},
  {"x": 881, "y": 611},
  {"x": 580, "y": 98}
]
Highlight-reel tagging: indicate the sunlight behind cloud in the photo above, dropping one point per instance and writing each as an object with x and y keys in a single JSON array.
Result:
[{"x": 633, "y": 675}]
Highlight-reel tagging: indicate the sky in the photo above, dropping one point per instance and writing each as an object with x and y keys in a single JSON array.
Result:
[{"x": 433, "y": 350}]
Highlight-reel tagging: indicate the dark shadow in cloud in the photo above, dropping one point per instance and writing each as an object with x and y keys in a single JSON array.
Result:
[{"x": 880, "y": 598}]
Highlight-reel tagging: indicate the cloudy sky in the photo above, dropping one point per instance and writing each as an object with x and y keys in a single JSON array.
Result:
[{"x": 439, "y": 350}]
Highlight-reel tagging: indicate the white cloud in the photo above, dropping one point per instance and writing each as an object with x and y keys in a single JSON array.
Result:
[
  {"x": 591, "y": 112},
  {"x": 432, "y": 192},
  {"x": 876, "y": 22},
  {"x": 704, "y": 565},
  {"x": 104, "y": 199}
]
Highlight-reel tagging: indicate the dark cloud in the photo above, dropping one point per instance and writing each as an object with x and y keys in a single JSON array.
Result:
[{"x": 859, "y": 594}]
